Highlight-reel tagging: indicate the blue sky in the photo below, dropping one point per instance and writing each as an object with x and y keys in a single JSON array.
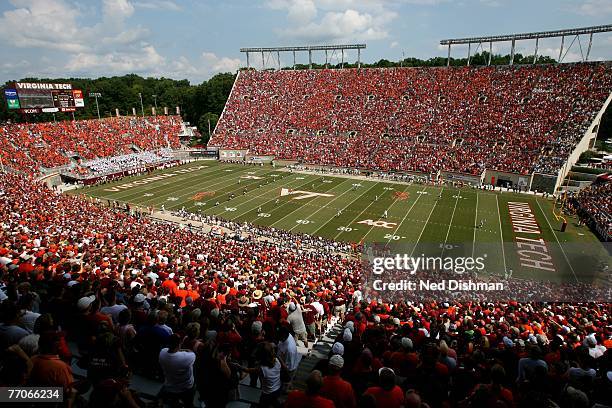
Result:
[{"x": 196, "y": 39}]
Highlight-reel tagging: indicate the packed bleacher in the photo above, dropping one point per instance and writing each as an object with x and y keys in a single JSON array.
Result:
[
  {"x": 593, "y": 205},
  {"x": 466, "y": 119},
  {"x": 118, "y": 295},
  {"x": 114, "y": 164},
  {"x": 28, "y": 147}
]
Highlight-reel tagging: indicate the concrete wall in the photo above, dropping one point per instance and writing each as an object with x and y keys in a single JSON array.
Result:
[
  {"x": 463, "y": 177},
  {"x": 259, "y": 159},
  {"x": 232, "y": 154},
  {"x": 587, "y": 141},
  {"x": 524, "y": 181}
]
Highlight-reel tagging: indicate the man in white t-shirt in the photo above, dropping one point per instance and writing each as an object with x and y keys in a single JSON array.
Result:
[
  {"x": 287, "y": 350},
  {"x": 177, "y": 366}
]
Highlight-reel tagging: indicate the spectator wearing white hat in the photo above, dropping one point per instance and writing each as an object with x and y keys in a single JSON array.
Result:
[{"x": 335, "y": 387}]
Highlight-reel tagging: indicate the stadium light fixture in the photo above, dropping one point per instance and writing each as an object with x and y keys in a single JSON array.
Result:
[
  {"x": 141, "y": 105},
  {"x": 96, "y": 95},
  {"x": 573, "y": 32},
  {"x": 307, "y": 48}
]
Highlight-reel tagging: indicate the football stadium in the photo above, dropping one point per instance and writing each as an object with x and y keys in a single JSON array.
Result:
[{"x": 421, "y": 233}]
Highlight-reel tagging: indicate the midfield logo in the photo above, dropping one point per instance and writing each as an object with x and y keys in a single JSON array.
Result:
[
  {"x": 379, "y": 224},
  {"x": 302, "y": 194}
]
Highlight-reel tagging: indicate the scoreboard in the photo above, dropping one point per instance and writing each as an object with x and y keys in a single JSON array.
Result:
[{"x": 27, "y": 97}]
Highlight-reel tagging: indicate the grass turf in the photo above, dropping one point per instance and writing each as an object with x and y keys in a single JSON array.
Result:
[{"x": 420, "y": 218}]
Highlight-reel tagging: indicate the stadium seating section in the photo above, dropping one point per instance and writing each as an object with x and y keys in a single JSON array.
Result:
[
  {"x": 76, "y": 273},
  {"x": 29, "y": 146},
  {"x": 515, "y": 119},
  {"x": 594, "y": 205}
]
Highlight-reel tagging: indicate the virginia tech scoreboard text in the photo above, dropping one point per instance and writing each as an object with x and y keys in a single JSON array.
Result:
[{"x": 27, "y": 97}]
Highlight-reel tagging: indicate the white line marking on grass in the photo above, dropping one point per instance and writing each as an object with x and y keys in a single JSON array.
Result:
[
  {"x": 406, "y": 216},
  {"x": 326, "y": 205},
  {"x": 190, "y": 192},
  {"x": 501, "y": 235},
  {"x": 359, "y": 215},
  {"x": 348, "y": 205},
  {"x": 136, "y": 190},
  {"x": 557, "y": 238},
  {"x": 475, "y": 220},
  {"x": 302, "y": 206},
  {"x": 426, "y": 222},
  {"x": 260, "y": 195},
  {"x": 450, "y": 225}
]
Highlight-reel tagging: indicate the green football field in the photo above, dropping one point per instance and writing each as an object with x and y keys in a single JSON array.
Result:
[{"x": 420, "y": 218}]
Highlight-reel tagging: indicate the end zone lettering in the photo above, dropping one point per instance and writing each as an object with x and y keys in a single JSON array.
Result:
[{"x": 532, "y": 251}]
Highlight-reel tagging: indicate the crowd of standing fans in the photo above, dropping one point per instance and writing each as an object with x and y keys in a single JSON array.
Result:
[
  {"x": 593, "y": 205},
  {"x": 464, "y": 119},
  {"x": 28, "y": 147},
  {"x": 201, "y": 313}
]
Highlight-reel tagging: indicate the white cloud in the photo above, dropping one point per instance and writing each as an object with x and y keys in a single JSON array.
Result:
[
  {"x": 146, "y": 61},
  {"x": 215, "y": 64},
  {"x": 158, "y": 5},
  {"x": 594, "y": 8},
  {"x": 336, "y": 20},
  {"x": 117, "y": 8},
  {"x": 394, "y": 44}
]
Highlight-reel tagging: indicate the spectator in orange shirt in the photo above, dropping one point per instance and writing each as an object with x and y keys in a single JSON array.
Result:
[{"x": 48, "y": 370}]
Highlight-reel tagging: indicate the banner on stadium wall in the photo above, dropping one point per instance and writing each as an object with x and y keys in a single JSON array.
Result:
[
  {"x": 11, "y": 98},
  {"x": 77, "y": 94}
]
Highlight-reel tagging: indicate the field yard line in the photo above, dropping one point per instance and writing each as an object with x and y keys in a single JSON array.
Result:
[
  {"x": 136, "y": 191},
  {"x": 302, "y": 206},
  {"x": 392, "y": 204},
  {"x": 248, "y": 183},
  {"x": 191, "y": 191},
  {"x": 260, "y": 195},
  {"x": 405, "y": 216},
  {"x": 348, "y": 205},
  {"x": 326, "y": 205},
  {"x": 557, "y": 238},
  {"x": 475, "y": 220},
  {"x": 450, "y": 224},
  {"x": 426, "y": 222},
  {"x": 501, "y": 235},
  {"x": 163, "y": 189},
  {"x": 358, "y": 215}
]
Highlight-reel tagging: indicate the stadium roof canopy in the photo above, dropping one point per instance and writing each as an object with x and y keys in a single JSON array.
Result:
[{"x": 575, "y": 32}]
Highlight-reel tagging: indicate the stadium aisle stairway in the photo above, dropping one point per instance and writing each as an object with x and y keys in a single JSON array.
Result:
[{"x": 147, "y": 388}]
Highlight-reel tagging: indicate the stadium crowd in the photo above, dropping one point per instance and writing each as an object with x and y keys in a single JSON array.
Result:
[
  {"x": 29, "y": 146},
  {"x": 593, "y": 205},
  {"x": 114, "y": 164},
  {"x": 201, "y": 312},
  {"x": 465, "y": 119}
]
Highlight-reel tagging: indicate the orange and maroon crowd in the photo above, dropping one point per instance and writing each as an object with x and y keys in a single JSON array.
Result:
[{"x": 464, "y": 119}]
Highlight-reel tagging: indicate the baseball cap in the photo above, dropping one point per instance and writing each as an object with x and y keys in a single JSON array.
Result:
[
  {"x": 139, "y": 298},
  {"x": 85, "y": 302},
  {"x": 336, "y": 361},
  {"x": 338, "y": 348}
]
